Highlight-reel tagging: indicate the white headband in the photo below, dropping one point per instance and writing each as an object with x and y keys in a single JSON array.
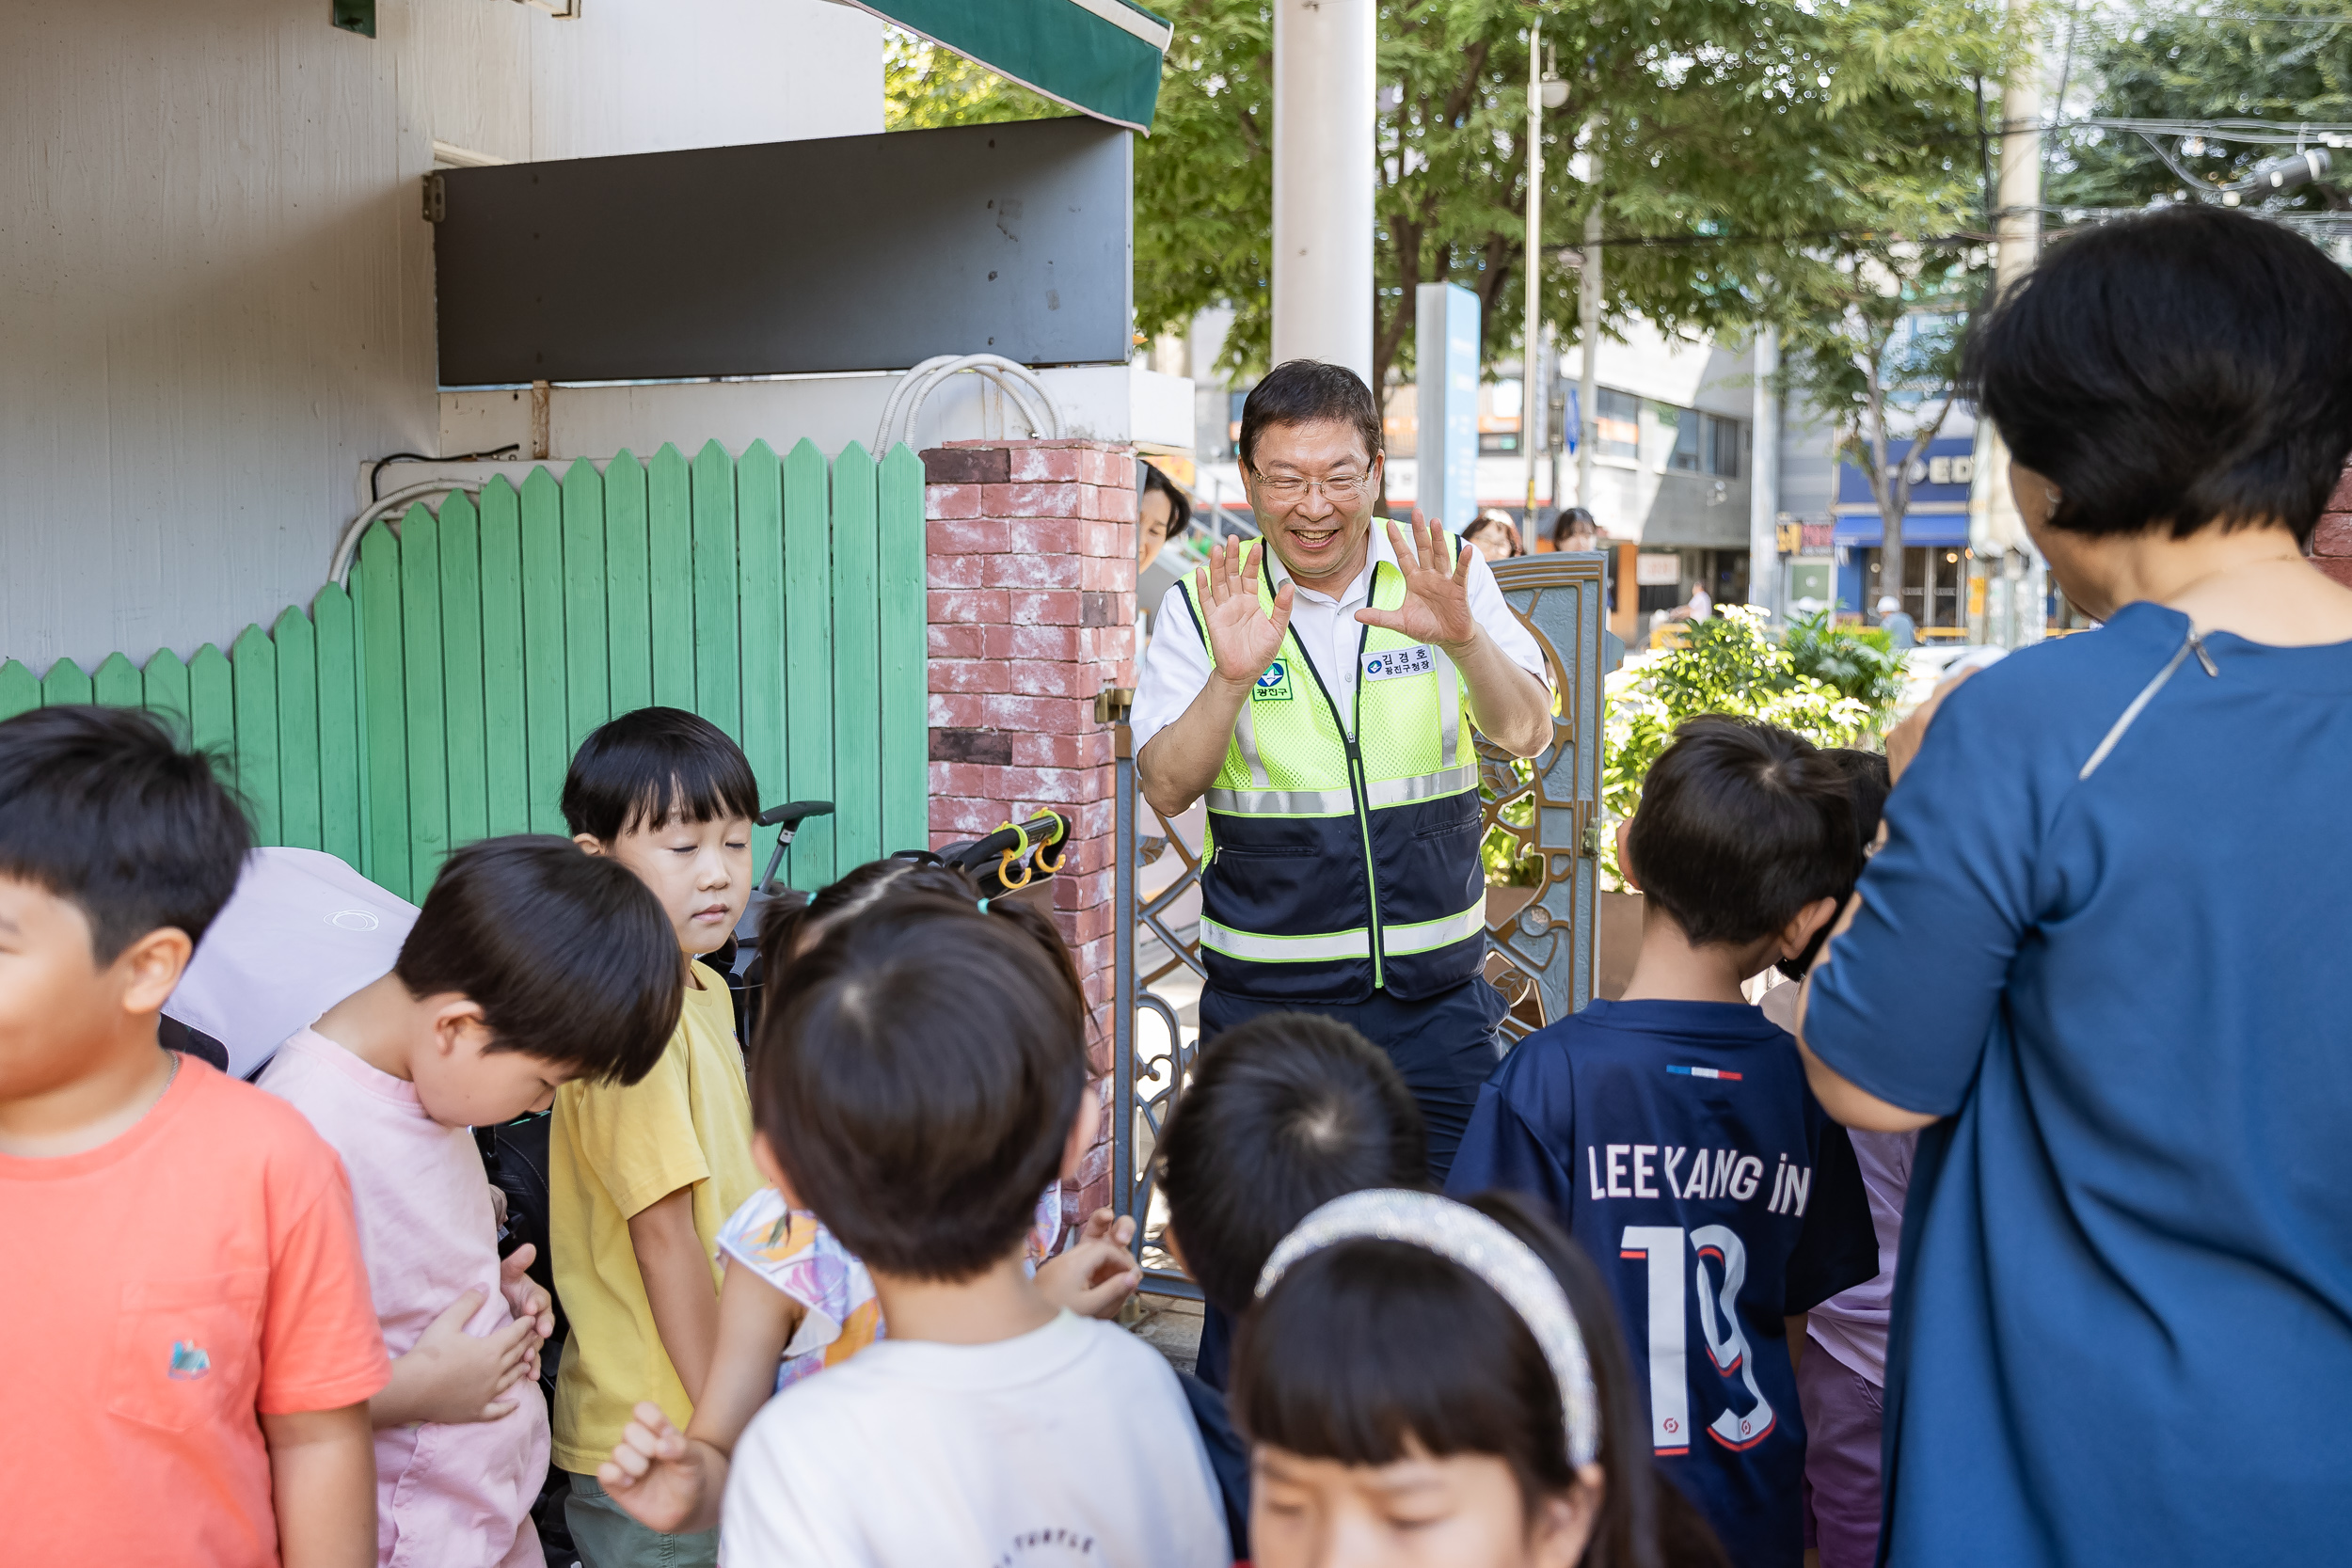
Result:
[{"x": 1461, "y": 1234}]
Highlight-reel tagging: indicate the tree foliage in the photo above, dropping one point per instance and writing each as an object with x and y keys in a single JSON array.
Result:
[
  {"x": 1755, "y": 157},
  {"x": 1728, "y": 664},
  {"x": 2285, "y": 61},
  {"x": 926, "y": 87}
]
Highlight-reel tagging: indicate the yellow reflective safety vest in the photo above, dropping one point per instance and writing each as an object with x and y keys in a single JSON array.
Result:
[{"x": 1335, "y": 865}]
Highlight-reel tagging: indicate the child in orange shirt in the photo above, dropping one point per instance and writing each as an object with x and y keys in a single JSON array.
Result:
[{"x": 192, "y": 1342}]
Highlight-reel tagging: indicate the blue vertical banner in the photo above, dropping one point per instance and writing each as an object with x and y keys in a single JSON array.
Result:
[{"x": 1446, "y": 447}]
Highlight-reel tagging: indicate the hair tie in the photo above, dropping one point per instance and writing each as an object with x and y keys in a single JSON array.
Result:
[
  {"x": 1462, "y": 1235},
  {"x": 983, "y": 906}
]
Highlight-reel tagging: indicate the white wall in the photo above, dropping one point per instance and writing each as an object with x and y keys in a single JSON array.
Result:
[{"x": 215, "y": 288}]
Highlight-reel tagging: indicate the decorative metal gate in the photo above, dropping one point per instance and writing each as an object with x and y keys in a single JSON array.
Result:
[{"x": 1542, "y": 821}]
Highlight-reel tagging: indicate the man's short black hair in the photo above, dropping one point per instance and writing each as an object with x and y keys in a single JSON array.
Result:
[
  {"x": 2177, "y": 369},
  {"x": 917, "y": 1073},
  {"x": 653, "y": 767},
  {"x": 568, "y": 954},
  {"x": 1303, "y": 391},
  {"x": 101, "y": 807},
  {"x": 1283, "y": 1113},
  {"x": 1741, "y": 826}
]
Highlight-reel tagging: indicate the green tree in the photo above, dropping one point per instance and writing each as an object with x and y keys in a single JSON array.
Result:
[
  {"x": 1879, "y": 370},
  {"x": 2285, "y": 62},
  {"x": 1739, "y": 145}
]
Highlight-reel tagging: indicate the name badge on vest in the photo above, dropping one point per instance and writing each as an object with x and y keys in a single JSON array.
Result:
[
  {"x": 1274, "y": 686},
  {"x": 1396, "y": 663}
]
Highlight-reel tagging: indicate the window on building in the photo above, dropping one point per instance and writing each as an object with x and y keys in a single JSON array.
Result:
[
  {"x": 1617, "y": 423},
  {"x": 1690, "y": 435},
  {"x": 1722, "y": 447}
]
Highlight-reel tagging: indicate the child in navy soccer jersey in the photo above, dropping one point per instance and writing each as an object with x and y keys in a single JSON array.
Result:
[{"x": 1672, "y": 1132}]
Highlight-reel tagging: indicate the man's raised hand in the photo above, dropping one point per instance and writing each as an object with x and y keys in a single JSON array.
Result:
[
  {"x": 1436, "y": 602},
  {"x": 1243, "y": 638}
]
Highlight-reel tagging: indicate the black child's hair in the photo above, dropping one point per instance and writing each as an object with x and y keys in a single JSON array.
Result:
[
  {"x": 1369, "y": 1345},
  {"x": 2178, "y": 370},
  {"x": 569, "y": 955},
  {"x": 1868, "y": 783},
  {"x": 1741, "y": 825},
  {"x": 100, "y": 807},
  {"x": 1283, "y": 1113},
  {"x": 653, "y": 767},
  {"x": 787, "y": 925},
  {"x": 917, "y": 1071}
]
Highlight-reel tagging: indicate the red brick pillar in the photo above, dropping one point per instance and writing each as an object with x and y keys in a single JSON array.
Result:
[
  {"x": 2331, "y": 543},
  {"x": 1032, "y": 571}
]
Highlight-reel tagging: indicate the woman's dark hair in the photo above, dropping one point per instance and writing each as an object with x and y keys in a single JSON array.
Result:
[
  {"x": 1867, "y": 784},
  {"x": 916, "y": 1072},
  {"x": 1575, "y": 519},
  {"x": 653, "y": 767},
  {"x": 2182, "y": 369},
  {"x": 1304, "y": 391},
  {"x": 1179, "y": 504},
  {"x": 1283, "y": 1113},
  {"x": 1368, "y": 1343},
  {"x": 569, "y": 955},
  {"x": 101, "y": 807},
  {"x": 1741, "y": 826}
]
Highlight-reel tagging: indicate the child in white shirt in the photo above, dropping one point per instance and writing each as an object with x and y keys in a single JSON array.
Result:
[{"x": 920, "y": 1077}]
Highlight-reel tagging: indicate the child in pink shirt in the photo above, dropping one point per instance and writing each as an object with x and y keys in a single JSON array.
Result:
[{"x": 530, "y": 965}]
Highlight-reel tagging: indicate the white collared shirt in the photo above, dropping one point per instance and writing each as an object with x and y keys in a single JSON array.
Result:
[{"x": 1178, "y": 663}]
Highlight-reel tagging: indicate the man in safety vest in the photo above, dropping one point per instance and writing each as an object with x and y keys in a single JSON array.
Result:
[{"x": 1321, "y": 698}]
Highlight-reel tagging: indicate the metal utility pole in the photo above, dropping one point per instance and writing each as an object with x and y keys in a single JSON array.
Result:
[
  {"x": 1588, "y": 325},
  {"x": 1324, "y": 125},
  {"x": 1531, "y": 352},
  {"x": 1764, "y": 479},
  {"x": 2004, "y": 554}
]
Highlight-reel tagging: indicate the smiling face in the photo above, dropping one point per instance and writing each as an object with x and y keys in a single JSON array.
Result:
[
  {"x": 701, "y": 871},
  {"x": 1320, "y": 530},
  {"x": 1463, "y": 1511}
]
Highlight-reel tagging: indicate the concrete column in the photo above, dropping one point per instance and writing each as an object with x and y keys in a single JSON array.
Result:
[
  {"x": 1032, "y": 575},
  {"x": 1322, "y": 169},
  {"x": 1764, "y": 585},
  {"x": 1996, "y": 531}
]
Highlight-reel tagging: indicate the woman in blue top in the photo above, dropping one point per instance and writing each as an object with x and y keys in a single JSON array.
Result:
[{"x": 2101, "y": 953}]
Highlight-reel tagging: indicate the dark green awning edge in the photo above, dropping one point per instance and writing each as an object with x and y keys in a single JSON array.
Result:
[{"x": 1101, "y": 57}]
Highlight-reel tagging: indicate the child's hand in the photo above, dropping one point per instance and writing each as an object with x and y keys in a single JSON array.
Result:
[
  {"x": 451, "y": 1375},
  {"x": 1096, "y": 1273},
  {"x": 526, "y": 1299},
  {"x": 652, "y": 1474},
  {"x": 1108, "y": 1224}
]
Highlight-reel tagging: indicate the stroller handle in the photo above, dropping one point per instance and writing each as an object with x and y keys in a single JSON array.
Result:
[{"x": 792, "y": 813}]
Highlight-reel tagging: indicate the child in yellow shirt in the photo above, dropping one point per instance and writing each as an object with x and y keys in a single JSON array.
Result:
[{"x": 641, "y": 1178}]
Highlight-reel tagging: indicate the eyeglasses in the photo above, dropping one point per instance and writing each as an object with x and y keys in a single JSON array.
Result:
[{"x": 1338, "y": 489}]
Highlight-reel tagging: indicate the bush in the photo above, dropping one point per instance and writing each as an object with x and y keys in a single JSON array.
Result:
[
  {"x": 1728, "y": 666},
  {"x": 1861, "y": 662}
]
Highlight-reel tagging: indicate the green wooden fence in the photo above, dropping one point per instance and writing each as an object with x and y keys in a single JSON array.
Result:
[{"x": 440, "y": 699}]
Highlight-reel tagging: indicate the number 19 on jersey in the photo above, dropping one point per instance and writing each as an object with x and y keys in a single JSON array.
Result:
[{"x": 1661, "y": 1247}]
